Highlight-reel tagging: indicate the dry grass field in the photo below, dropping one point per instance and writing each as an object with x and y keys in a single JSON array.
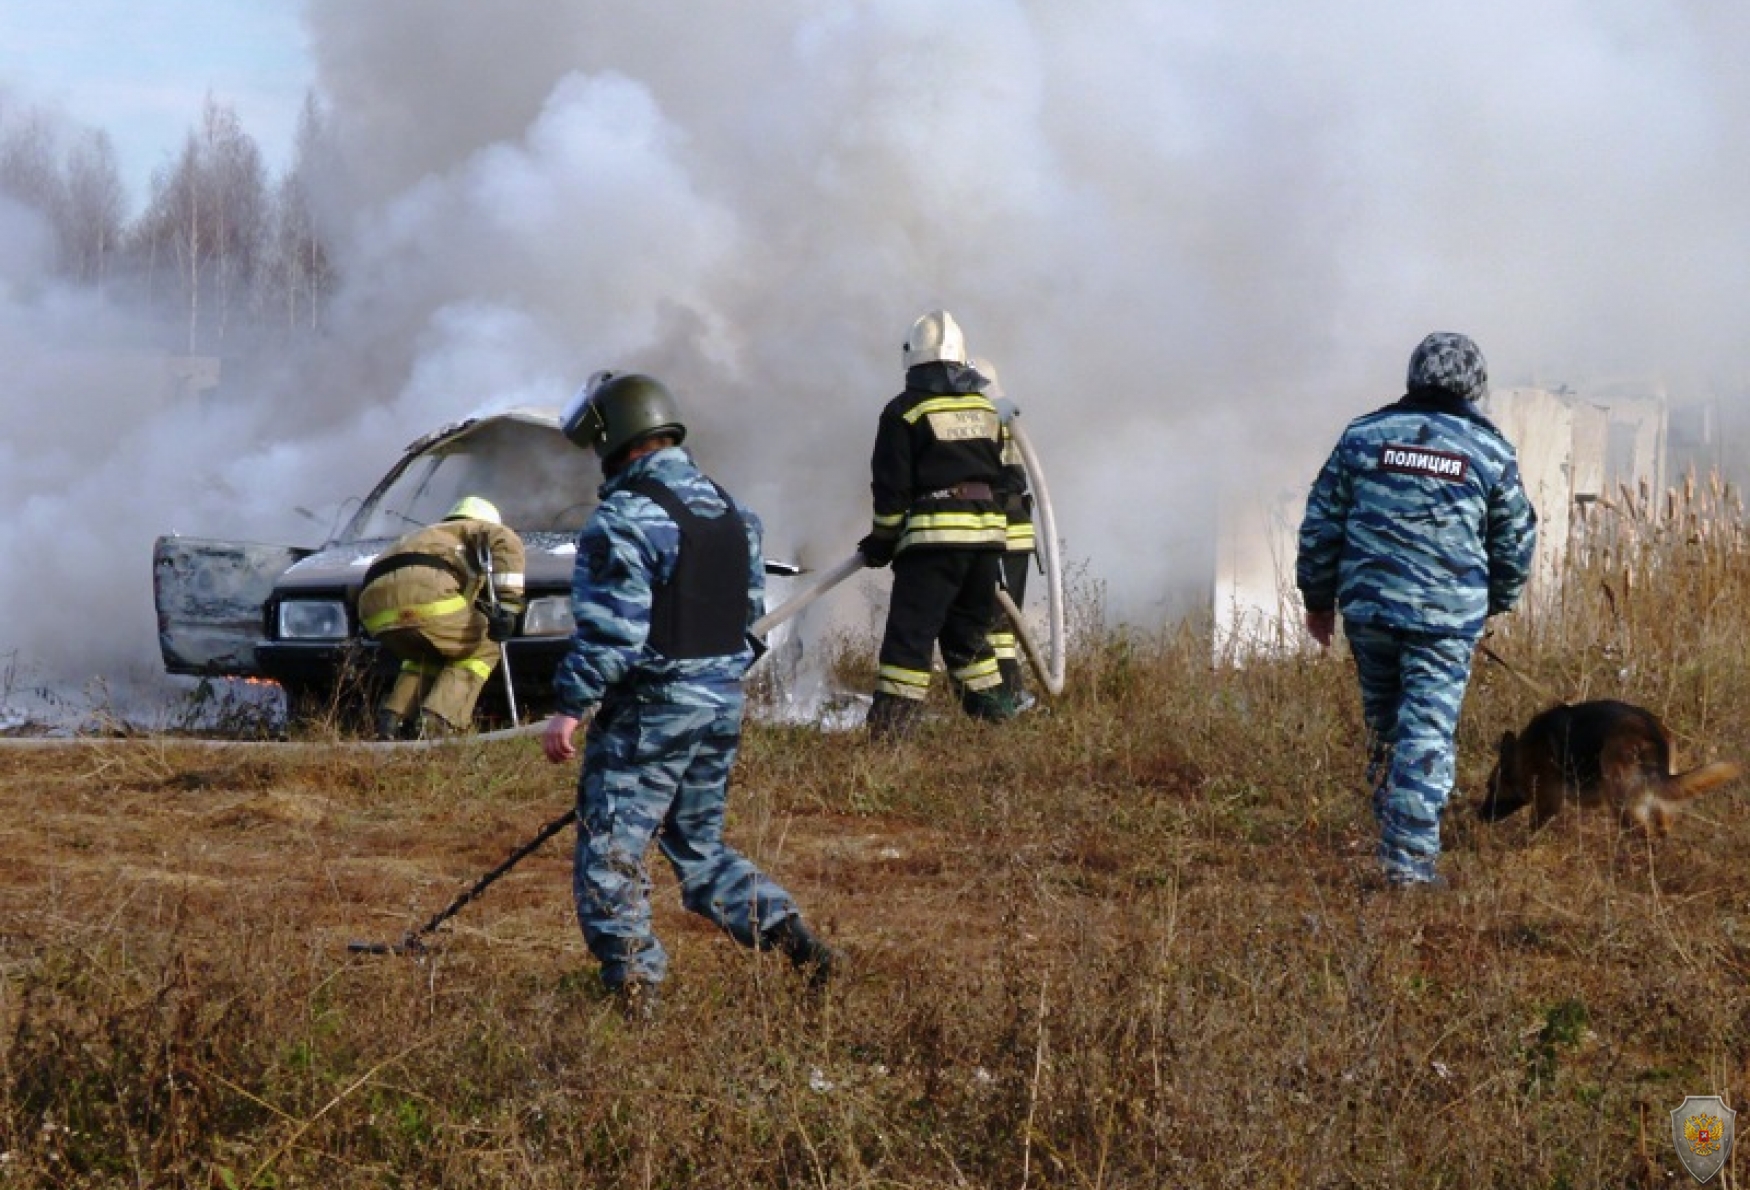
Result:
[{"x": 1126, "y": 943}]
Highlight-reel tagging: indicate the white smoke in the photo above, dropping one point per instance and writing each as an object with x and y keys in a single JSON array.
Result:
[{"x": 1194, "y": 237}]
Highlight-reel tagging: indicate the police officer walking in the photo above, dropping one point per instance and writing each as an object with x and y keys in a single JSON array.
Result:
[
  {"x": 937, "y": 474},
  {"x": 669, "y": 578},
  {"x": 442, "y": 599},
  {"x": 1417, "y": 529}
]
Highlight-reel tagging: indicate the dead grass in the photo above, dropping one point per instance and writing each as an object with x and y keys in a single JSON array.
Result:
[{"x": 1127, "y": 943}]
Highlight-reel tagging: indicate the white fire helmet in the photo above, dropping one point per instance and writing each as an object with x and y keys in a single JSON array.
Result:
[
  {"x": 935, "y": 336},
  {"x": 474, "y": 508}
]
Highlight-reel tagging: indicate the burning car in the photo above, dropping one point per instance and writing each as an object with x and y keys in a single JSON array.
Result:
[{"x": 290, "y": 614}]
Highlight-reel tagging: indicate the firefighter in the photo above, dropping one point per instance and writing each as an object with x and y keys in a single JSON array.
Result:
[
  {"x": 937, "y": 477},
  {"x": 668, "y": 582},
  {"x": 1020, "y": 552},
  {"x": 428, "y": 599},
  {"x": 1417, "y": 529}
]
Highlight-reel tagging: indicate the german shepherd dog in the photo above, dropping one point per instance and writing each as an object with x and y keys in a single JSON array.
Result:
[{"x": 1596, "y": 753}]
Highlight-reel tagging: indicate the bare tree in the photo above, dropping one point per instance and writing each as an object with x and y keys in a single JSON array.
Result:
[
  {"x": 300, "y": 275},
  {"x": 90, "y": 221},
  {"x": 29, "y": 162},
  {"x": 206, "y": 220}
]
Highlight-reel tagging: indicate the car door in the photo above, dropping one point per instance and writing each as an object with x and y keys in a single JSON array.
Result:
[{"x": 209, "y": 596}]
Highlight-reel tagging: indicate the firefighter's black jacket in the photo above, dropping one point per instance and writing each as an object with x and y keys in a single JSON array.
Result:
[{"x": 938, "y": 479}]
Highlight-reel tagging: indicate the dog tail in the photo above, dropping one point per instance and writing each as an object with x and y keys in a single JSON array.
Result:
[{"x": 1697, "y": 781}]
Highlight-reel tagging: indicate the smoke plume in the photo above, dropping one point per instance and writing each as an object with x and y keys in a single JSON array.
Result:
[{"x": 1195, "y": 238}]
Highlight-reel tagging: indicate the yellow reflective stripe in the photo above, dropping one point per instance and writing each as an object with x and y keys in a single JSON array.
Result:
[
  {"x": 958, "y": 403},
  {"x": 890, "y": 522},
  {"x": 906, "y": 683},
  {"x": 980, "y": 675},
  {"x": 1021, "y": 537},
  {"x": 993, "y": 521},
  {"x": 1004, "y": 645},
  {"x": 475, "y": 666},
  {"x": 400, "y": 617},
  {"x": 951, "y": 537}
]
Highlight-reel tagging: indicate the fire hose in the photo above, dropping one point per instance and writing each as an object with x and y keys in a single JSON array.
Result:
[{"x": 1050, "y": 668}]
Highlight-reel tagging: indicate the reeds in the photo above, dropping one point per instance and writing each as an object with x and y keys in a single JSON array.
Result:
[{"x": 1124, "y": 942}]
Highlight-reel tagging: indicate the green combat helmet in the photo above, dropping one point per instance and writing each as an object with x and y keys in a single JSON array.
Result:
[{"x": 614, "y": 412}]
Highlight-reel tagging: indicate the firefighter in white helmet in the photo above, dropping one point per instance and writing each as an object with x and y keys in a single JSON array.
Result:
[
  {"x": 1020, "y": 552},
  {"x": 937, "y": 471},
  {"x": 427, "y": 600}
]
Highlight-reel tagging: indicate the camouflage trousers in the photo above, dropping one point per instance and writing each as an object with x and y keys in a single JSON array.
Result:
[
  {"x": 1412, "y": 685},
  {"x": 661, "y": 770}
]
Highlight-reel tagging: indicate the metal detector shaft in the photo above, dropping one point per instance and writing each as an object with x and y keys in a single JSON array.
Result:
[{"x": 411, "y": 943}]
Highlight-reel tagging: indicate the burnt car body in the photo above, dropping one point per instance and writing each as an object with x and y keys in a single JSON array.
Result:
[{"x": 289, "y": 614}]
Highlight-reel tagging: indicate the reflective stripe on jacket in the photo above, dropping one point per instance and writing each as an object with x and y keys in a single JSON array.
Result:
[
  {"x": 936, "y": 469},
  {"x": 436, "y": 571}
]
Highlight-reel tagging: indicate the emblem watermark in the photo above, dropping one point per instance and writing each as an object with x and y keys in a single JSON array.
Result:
[{"x": 1703, "y": 1129}]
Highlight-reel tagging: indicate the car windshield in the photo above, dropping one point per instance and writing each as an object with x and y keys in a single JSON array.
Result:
[{"x": 538, "y": 480}]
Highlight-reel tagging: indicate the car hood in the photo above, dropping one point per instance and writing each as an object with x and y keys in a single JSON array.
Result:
[{"x": 548, "y": 561}]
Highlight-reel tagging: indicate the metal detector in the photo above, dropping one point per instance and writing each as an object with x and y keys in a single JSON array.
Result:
[{"x": 410, "y": 943}]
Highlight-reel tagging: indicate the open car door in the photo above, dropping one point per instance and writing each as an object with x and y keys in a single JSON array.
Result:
[{"x": 210, "y": 596}]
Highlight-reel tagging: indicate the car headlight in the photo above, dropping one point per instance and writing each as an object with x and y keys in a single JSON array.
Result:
[
  {"x": 312, "y": 619},
  {"x": 548, "y": 616}
]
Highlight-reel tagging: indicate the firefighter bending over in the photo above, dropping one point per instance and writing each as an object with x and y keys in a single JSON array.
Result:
[
  {"x": 937, "y": 476},
  {"x": 429, "y": 600}
]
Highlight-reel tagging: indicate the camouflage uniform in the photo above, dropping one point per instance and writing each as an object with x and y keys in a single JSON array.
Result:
[
  {"x": 658, "y": 753},
  {"x": 1417, "y": 529}
]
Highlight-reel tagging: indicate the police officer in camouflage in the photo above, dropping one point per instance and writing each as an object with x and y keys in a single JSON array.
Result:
[
  {"x": 1417, "y": 529},
  {"x": 669, "y": 578}
]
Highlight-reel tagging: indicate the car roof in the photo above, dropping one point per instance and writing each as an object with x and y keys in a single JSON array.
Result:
[{"x": 540, "y": 415}]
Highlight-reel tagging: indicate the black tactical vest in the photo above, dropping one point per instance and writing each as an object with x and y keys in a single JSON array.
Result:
[{"x": 702, "y": 610}]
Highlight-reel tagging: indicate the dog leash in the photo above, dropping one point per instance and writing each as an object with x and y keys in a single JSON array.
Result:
[{"x": 1535, "y": 687}]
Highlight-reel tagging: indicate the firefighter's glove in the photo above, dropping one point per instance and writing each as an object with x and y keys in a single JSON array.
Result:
[
  {"x": 877, "y": 549},
  {"x": 500, "y": 623}
]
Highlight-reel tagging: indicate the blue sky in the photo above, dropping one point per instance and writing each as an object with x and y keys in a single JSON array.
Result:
[{"x": 141, "y": 69}]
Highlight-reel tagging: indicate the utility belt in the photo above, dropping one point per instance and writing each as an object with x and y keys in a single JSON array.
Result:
[{"x": 961, "y": 491}]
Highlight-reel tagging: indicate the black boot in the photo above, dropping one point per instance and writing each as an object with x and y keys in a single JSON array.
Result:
[
  {"x": 993, "y": 705},
  {"x": 817, "y": 961},
  {"x": 640, "y": 1001},
  {"x": 892, "y": 717},
  {"x": 388, "y": 725},
  {"x": 433, "y": 726}
]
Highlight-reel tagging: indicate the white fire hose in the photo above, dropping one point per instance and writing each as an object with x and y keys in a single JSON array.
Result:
[{"x": 1049, "y": 668}]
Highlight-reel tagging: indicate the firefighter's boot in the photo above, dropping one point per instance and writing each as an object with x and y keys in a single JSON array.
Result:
[
  {"x": 433, "y": 726},
  {"x": 994, "y": 705},
  {"x": 388, "y": 725},
  {"x": 892, "y": 717}
]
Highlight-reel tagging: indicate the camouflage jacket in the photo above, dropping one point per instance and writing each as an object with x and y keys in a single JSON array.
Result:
[
  {"x": 627, "y": 548},
  {"x": 1418, "y": 521}
]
